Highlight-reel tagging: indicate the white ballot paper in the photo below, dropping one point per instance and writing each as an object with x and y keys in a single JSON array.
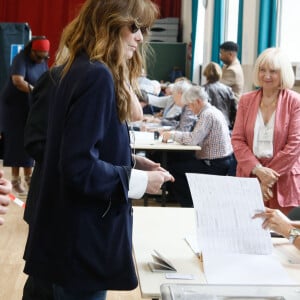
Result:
[{"x": 235, "y": 248}]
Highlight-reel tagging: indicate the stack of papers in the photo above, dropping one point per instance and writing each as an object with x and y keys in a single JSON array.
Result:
[{"x": 235, "y": 248}]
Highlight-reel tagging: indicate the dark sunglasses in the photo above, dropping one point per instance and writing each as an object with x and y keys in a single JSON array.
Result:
[
  {"x": 41, "y": 57},
  {"x": 135, "y": 28}
]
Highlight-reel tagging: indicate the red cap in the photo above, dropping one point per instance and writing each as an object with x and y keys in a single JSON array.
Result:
[{"x": 41, "y": 45}]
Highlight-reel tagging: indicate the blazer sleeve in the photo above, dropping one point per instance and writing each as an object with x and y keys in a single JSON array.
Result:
[
  {"x": 243, "y": 133},
  {"x": 287, "y": 133},
  {"x": 89, "y": 138}
]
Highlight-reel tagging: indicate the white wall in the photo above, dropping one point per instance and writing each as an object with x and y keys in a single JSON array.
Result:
[{"x": 186, "y": 17}]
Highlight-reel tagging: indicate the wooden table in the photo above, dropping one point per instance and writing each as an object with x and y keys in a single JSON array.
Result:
[{"x": 165, "y": 229}]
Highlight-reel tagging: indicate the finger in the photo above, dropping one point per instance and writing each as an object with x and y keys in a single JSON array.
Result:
[
  {"x": 3, "y": 210},
  {"x": 168, "y": 177},
  {"x": 4, "y": 200},
  {"x": 270, "y": 193}
]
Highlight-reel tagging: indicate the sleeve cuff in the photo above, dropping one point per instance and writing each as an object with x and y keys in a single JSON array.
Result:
[{"x": 137, "y": 184}]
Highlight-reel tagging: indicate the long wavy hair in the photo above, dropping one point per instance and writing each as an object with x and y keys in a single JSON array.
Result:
[{"x": 96, "y": 31}]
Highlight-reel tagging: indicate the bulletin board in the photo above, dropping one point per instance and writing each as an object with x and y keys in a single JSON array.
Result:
[{"x": 166, "y": 57}]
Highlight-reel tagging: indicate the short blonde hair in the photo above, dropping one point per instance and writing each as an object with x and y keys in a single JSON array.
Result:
[
  {"x": 276, "y": 59},
  {"x": 212, "y": 72}
]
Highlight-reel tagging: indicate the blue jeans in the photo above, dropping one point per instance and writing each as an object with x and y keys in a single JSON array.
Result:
[{"x": 61, "y": 293}]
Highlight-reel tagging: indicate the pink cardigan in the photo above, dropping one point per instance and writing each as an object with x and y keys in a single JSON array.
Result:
[{"x": 286, "y": 158}]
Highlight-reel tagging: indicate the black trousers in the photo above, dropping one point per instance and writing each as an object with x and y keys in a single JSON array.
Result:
[{"x": 179, "y": 190}]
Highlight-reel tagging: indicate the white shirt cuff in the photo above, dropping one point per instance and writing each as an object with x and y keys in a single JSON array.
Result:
[{"x": 137, "y": 184}]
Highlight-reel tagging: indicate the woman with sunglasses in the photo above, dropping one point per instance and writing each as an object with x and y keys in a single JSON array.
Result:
[
  {"x": 27, "y": 66},
  {"x": 80, "y": 238}
]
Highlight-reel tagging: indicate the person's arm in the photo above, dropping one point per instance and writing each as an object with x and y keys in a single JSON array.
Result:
[
  {"x": 21, "y": 84},
  {"x": 147, "y": 177},
  {"x": 287, "y": 137},
  {"x": 18, "y": 71},
  {"x": 275, "y": 220},
  {"x": 149, "y": 182},
  {"x": 136, "y": 107},
  {"x": 159, "y": 101}
]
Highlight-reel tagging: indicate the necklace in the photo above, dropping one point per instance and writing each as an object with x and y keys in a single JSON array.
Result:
[{"x": 268, "y": 99}]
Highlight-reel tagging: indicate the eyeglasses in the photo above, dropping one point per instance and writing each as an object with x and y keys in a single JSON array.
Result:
[
  {"x": 42, "y": 57},
  {"x": 135, "y": 28}
]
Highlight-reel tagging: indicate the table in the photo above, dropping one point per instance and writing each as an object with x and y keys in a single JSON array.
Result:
[
  {"x": 158, "y": 145},
  {"x": 165, "y": 229}
]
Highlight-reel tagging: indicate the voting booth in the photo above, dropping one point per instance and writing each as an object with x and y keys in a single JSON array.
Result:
[{"x": 229, "y": 292}]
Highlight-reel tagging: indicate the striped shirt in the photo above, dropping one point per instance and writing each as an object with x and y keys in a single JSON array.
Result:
[{"x": 210, "y": 132}]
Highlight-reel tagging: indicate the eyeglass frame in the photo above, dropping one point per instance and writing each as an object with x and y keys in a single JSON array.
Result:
[{"x": 133, "y": 27}]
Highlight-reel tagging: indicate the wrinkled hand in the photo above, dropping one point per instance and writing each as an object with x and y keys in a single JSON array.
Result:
[
  {"x": 156, "y": 179},
  {"x": 166, "y": 136},
  {"x": 275, "y": 220},
  {"x": 267, "y": 177}
]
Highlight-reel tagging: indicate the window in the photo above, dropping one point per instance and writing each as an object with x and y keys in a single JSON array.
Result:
[{"x": 288, "y": 28}]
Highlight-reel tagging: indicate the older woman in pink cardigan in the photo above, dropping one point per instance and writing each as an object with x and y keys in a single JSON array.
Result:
[{"x": 266, "y": 134}]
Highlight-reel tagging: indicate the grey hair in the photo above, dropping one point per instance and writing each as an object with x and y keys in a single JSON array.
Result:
[
  {"x": 181, "y": 86},
  {"x": 193, "y": 93}
]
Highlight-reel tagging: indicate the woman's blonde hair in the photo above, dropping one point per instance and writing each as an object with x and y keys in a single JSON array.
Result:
[
  {"x": 96, "y": 31},
  {"x": 276, "y": 59},
  {"x": 212, "y": 72}
]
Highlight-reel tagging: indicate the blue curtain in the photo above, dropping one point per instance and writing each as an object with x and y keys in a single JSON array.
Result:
[
  {"x": 194, "y": 30},
  {"x": 218, "y": 30},
  {"x": 267, "y": 25},
  {"x": 240, "y": 29}
]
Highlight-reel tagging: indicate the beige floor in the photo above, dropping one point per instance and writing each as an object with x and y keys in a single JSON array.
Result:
[{"x": 12, "y": 240}]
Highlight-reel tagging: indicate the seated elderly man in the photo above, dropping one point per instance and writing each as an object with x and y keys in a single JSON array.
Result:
[{"x": 211, "y": 133}]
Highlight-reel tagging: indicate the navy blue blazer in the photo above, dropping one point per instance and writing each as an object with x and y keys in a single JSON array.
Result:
[{"x": 81, "y": 235}]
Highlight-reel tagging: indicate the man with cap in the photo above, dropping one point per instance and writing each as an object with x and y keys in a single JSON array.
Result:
[
  {"x": 232, "y": 72},
  {"x": 26, "y": 68}
]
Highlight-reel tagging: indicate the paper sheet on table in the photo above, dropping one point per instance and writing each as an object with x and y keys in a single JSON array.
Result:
[
  {"x": 244, "y": 269},
  {"x": 224, "y": 208}
]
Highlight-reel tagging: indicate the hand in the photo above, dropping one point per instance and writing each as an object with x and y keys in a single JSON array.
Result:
[
  {"x": 5, "y": 185},
  {"x": 5, "y": 188},
  {"x": 156, "y": 179},
  {"x": 143, "y": 163},
  {"x": 166, "y": 135},
  {"x": 275, "y": 220},
  {"x": 266, "y": 191},
  {"x": 267, "y": 176}
]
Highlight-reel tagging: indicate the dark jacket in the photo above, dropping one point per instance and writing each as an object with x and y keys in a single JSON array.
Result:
[
  {"x": 81, "y": 236},
  {"x": 222, "y": 97}
]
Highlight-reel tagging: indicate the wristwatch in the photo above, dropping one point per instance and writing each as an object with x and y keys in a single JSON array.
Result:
[{"x": 294, "y": 233}]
